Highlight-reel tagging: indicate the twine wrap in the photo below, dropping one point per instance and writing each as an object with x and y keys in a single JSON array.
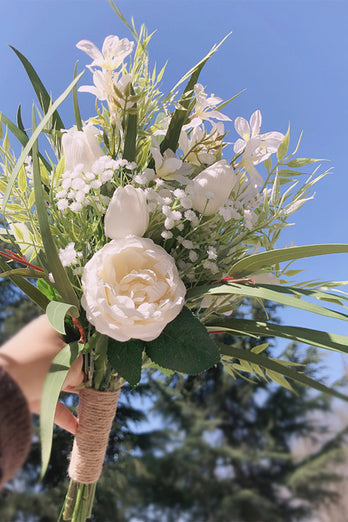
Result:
[{"x": 96, "y": 412}]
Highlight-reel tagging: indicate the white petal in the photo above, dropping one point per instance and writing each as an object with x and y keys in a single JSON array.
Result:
[
  {"x": 89, "y": 48},
  {"x": 242, "y": 127},
  {"x": 255, "y": 122}
]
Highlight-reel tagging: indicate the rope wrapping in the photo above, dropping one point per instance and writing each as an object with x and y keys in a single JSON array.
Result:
[{"x": 96, "y": 412}]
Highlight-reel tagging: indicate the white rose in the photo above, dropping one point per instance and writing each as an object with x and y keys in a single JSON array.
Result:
[
  {"x": 127, "y": 213},
  {"x": 131, "y": 289},
  {"x": 211, "y": 187},
  {"x": 81, "y": 147}
]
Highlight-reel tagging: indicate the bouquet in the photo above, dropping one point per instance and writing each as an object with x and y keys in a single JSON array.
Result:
[{"x": 144, "y": 230}]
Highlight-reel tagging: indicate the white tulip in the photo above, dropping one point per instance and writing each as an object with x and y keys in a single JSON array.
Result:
[
  {"x": 132, "y": 289},
  {"x": 127, "y": 213},
  {"x": 211, "y": 188},
  {"x": 81, "y": 147}
]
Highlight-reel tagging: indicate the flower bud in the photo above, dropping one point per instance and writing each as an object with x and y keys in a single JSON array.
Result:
[
  {"x": 127, "y": 213},
  {"x": 81, "y": 147},
  {"x": 211, "y": 188}
]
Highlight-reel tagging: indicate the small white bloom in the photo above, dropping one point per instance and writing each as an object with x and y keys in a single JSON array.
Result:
[
  {"x": 168, "y": 166},
  {"x": 166, "y": 234},
  {"x": 131, "y": 289},
  {"x": 113, "y": 53},
  {"x": 193, "y": 256},
  {"x": 212, "y": 254},
  {"x": 217, "y": 181},
  {"x": 127, "y": 213},
  {"x": 205, "y": 107},
  {"x": 68, "y": 255}
]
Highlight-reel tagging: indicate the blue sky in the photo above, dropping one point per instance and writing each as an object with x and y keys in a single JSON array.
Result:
[{"x": 289, "y": 55}]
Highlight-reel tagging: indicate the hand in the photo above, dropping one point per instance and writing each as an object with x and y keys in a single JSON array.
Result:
[{"x": 27, "y": 357}]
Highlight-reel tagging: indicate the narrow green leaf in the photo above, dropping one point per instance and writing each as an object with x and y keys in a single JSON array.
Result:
[
  {"x": 284, "y": 145},
  {"x": 76, "y": 103},
  {"x": 56, "y": 313},
  {"x": 21, "y": 136},
  {"x": 61, "y": 279},
  {"x": 28, "y": 288},
  {"x": 248, "y": 327},
  {"x": 126, "y": 359},
  {"x": 252, "y": 264},
  {"x": 50, "y": 394},
  {"x": 131, "y": 133},
  {"x": 19, "y": 120},
  {"x": 184, "y": 346},
  {"x": 279, "y": 294},
  {"x": 302, "y": 162},
  {"x": 41, "y": 92},
  {"x": 285, "y": 173},
  {"x": 28, "y": 146},
  {"x": 273, "y": 366},
  {"x": 23, "y": 272}
]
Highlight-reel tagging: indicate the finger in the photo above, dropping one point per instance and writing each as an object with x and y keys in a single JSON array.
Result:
[
  {"x": 75, "y": 375},
  {"x": 65, "y": 419}
]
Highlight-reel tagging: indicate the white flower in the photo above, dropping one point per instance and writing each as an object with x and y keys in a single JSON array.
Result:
[
  {"x": 132, "y": 289},
  {"x": 68, "y": 255},
  {"x": 169, "y": 166},
  {"x": 205, "y": 107},
  {"x": 81, "y": 147},
  {"x": 127, "y": 213},
  {"x": 264, "y": 145},
  {"x": 211, "y": 188},
  {"x": 113, "y": 52}
]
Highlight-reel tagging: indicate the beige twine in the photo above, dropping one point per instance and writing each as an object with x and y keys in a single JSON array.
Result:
[{"x": 96, "y": 412}]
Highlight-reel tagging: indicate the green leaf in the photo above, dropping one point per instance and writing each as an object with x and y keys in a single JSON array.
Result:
[
  {"x": 248, "y": 327},
  {"x": 302, "y": 162},
  {"x": 28, "y": 146},
  {"x": 50, "y": 394},
  {"x": 184, "y": 346},
  {"x": 180, "y": 115},
  {"x": 19, "y": 119},
  {"x": 56, "y": 313},
  {"x": 21, "y": 137},
  {"x": 273, "y": 366},
  {"x": 279, "y": 294},
  {"x": 42, "y": 94},
  {"x": 55, "y": 266},
  {"x": 126, "y": 359},
  {"x": 76, "y": 103},
  {"x": 252, "y": 264},
  {"x": 131, "y": 134},
  {"x": 28, "y": 288},
  {"x": 284, "y": 145}
]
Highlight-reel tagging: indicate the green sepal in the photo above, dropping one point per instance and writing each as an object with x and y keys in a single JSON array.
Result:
[
  {"x": 126, "y": 359},
  {"x": 184, "y": 346}
]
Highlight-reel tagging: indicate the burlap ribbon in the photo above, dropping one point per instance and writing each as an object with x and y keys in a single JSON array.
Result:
[{"x": 96, "y": 412}]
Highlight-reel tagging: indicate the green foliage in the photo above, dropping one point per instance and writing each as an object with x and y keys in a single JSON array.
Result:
[
  {"x": 184, "y": 346},
  {"x": 126, "y": 359}
]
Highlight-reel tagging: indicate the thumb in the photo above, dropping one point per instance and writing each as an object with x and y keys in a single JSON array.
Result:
[{"x": 65, "y": 419}]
